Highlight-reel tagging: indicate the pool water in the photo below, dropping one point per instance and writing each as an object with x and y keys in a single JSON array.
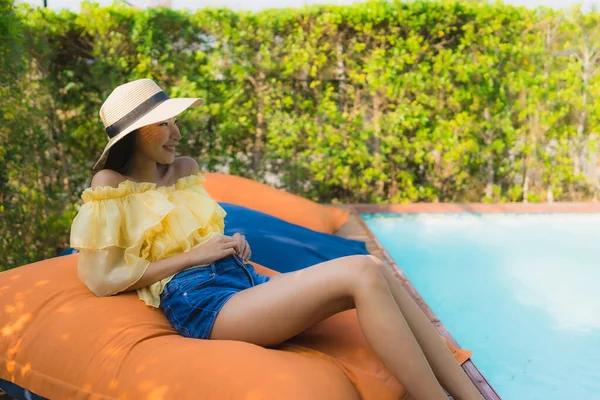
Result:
[{"x": 522, "y": 291}]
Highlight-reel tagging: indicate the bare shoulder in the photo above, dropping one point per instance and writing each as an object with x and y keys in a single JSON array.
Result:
[
  {"x": 186, "y": 166},
  {"x": 107, "y": 177}
]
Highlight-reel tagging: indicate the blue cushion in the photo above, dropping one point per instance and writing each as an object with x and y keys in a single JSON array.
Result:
[
  {"x": 67, "y": 251},
  {"x": 282, "y": 246}
]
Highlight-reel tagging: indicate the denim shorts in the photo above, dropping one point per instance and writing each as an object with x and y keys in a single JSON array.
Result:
[{"x": 193, "y": 298}]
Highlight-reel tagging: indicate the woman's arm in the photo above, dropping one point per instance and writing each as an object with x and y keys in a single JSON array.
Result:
[{"x": 161, "y": 269}]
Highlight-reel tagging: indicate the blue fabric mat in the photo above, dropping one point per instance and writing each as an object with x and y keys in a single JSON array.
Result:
[
  {"x": 283, "y": 246},
  {"x": 280, "y": 245}
]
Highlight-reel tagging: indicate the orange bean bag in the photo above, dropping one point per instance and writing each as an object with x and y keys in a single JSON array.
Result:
[
  {"x": 61, "y": 342},
  {"x": 260, "y": 197}
]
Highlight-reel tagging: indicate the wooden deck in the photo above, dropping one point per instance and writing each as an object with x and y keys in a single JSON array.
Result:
[{"x": 356, "y": 229}]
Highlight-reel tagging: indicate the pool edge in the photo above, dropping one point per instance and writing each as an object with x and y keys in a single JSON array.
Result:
[
  {"x": 356, "y": 228},
  {"x": 476, "y": 208}
]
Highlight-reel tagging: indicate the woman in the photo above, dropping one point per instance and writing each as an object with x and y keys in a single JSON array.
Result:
[{"x": 147, "y": 224}]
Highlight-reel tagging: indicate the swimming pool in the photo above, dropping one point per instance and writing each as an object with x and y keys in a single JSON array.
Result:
[{"x": 522, "y": 291}]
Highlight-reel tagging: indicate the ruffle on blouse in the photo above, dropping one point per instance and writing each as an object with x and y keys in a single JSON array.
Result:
[
  {"x": 129, "y": 187},
  {"x": 159, "y": 221}
]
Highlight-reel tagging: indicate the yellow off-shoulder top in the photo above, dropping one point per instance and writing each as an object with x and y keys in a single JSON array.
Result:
[{"x": 120, "y": 231}]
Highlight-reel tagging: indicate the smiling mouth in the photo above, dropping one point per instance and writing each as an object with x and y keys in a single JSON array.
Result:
[{"x": 169, "y": 148}]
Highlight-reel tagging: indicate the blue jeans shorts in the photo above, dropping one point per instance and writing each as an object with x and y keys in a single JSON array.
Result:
[{"x": 193, "y": 298}]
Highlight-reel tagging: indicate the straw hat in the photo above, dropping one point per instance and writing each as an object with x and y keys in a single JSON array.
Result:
[{"x": 135, "y": 104}]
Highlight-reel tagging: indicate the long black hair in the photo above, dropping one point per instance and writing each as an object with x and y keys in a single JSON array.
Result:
[{"x": 119, "y": 154}]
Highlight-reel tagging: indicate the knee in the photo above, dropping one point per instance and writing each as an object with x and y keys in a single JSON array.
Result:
[
  {"x": 376, "y": 261},
  {"x": 371, "y": 264},
  {"x": 367, "y": 273}
]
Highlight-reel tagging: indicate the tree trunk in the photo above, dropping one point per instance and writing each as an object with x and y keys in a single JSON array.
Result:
[
  {"x": 257, "y": 151},
  {"x": 394, "y": 182},
  {"x": 377, "y": 141},
  {"x": 526, "y": 188},
  {"x": 489, "y": 188}
]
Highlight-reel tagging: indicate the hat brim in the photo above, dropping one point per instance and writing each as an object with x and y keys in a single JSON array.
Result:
[{"x": 168, "y": 109}]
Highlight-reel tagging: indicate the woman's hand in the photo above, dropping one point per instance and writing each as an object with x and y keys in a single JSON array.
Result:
[
  {"x": 243, "y": 247},
  {"x": 213, "y": 249}
]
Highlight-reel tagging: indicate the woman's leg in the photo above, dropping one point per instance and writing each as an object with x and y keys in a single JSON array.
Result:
[
  {"x": 279, "y": 309},
  {"x": 444, "y": 365}
]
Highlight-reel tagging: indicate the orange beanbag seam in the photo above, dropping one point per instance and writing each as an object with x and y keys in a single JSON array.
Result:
[{"x": 13, "y": 366}]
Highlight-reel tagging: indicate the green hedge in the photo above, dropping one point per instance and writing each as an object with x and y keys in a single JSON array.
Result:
[{"x": 382, "y": 102}]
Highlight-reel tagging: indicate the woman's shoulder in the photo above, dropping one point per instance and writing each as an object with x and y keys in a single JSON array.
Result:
[
  {"x": 108, "y": 184},
  {"x": 182, "y": 167},
  {"x": 186, "y": 166},
  {"x": 107, "y": 177}
]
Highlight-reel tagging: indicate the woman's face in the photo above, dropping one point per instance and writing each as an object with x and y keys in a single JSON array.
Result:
[{"x": 158, "y": 141}]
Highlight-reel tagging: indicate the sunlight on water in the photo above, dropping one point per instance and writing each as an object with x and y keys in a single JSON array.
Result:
[{"x": 521, "y": 291}]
